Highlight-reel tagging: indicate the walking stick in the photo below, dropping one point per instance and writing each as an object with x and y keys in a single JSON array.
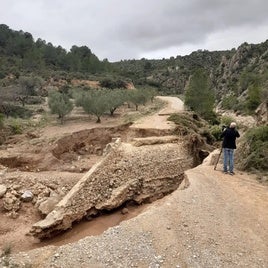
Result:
[{"x": 218, "y": 159}]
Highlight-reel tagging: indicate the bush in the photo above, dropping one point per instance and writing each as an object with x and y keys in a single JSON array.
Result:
[
  {"x": 216, "y": 131},
  {"x": 206, "y": 133},
  {"x": 229, "y": 102},
  {"x": 35, "y": 100},
  {"x": 253, "y": 150},
  {"x": 226, "y": 120},
  {"x": 186, "y": 123},
  {"x": 15, "y": 111},
  {"x": 15, "y": 127}
]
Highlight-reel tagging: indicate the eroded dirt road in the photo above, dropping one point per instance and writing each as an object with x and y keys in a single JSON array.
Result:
[
  {"x": 159, "y": 120},
  {"x": 218, "y": 221}
]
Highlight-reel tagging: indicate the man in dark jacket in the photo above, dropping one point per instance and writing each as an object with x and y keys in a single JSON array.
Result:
[{"x": 229, "y": 136}]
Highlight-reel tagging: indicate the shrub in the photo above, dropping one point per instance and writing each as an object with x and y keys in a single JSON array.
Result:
[
  {"x": 226, "y": 120},
  {"x": 229, "y": 102},
  {"x": 14, "y": 111},
  {"x": 15, "y": 127},
  {"x": 253, "y": 150},
  {"x": 186, "y": 123},
  {"x": 216, "y": 131}
]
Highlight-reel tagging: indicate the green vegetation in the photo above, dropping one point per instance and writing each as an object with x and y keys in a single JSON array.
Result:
[
  {"x": 229, "y": 101},
  {"x": 253, "y": 150},
  {"x": 94, "y": 102},
  {"x": 138, "y": 97},
  {"x": 60, "y": 104},
  {"x": 21, "y": 54},
  {"x": 116, "y": 98},
  {"x": 199, "y": 95},
  {"x": 186, "y": 123},
  {"x": 31, "y": 70},
  {"x": 28, "y": 86},
  {"x": 98, "y": 102}
]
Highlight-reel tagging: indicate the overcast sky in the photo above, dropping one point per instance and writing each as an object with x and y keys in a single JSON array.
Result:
[{"x": 133, "y": 29}]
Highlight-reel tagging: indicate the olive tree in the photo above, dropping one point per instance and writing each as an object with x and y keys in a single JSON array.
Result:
[
  {"x": 94, "y": 102},
  {"x": 115, "y": 98},
  {"x": 28, "y": 86},
  {"x": 59, "y": 104},
  {"x": 138, "y": 97}
]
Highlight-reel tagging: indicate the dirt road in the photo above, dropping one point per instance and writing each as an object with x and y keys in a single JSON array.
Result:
[
  {"x": 217, "y": 221},
  {"x": 159, "y": 120}
]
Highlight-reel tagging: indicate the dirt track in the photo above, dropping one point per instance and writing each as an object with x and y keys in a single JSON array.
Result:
[
  {"x": 159, "y": 120},
  {"x": 218, "y": 221}
]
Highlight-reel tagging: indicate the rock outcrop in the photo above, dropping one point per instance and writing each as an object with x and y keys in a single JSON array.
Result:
[
  {"x": 126, "y": 173},
  {"x": 262, "y": 113}
]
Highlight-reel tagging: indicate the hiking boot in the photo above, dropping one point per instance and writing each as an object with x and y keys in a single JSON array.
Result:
[
  {"x": 225, "y": 172},
  {"x": 232, "y": 173}
]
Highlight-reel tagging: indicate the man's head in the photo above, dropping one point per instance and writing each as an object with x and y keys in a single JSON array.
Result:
[{"x": 233, "y": 125}]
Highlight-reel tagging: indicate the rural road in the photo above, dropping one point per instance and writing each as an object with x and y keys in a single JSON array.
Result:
[
  {"x": 217, "y": 221},
  {"x": 159, "y": 120}
]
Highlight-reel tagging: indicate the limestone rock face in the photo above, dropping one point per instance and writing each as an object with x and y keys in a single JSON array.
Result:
[
  {"x": 262, "y": 113},
  {"x": 126, "y": 173}
]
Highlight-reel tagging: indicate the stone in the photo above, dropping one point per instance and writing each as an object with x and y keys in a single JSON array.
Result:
[
  {"x": 124, "y": 211},
  {"x": 3, "y": 190},
  {"x": 11, "y": 202},
  {"x": 48, "y": 205},
  {"x": 27, "y": 196}
]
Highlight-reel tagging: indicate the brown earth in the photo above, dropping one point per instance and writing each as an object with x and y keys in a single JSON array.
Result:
[
  {"x": 217, "y": 220},
  {"x": 50, "y": 159}
]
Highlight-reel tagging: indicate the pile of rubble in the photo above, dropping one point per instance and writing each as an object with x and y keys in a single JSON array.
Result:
[{"x": 126, "y": 173}]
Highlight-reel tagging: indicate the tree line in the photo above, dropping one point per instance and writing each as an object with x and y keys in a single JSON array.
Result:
[
  {"x": 19, "y": 52},
  {"x": 97, "y": 102}
]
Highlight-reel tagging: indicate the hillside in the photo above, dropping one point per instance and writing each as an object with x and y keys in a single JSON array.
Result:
[
  {"x": 231, "y": 72},
  {"x": 29, "y": 70}
]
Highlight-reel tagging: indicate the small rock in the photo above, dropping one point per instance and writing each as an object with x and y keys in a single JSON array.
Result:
[
  {"x": 16, "y": 187},
  {"x": 3, "y": 190},
  {"x": 14, "y": 215},
  {"x": 11, "y": 202},
  {"x": 27, "y": 196},
  {"x": 124, "y": 211},
  {"x": 47, "y": 205}
]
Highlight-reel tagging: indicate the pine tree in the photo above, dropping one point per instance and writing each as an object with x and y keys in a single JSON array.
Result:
[{"x": 199, "y": 96}]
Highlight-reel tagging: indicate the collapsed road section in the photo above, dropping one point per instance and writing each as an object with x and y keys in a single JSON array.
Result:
[{"x": 141, "y": 171}]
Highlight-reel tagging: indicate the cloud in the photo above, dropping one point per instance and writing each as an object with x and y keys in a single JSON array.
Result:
[{"x": 117, "y": 29}]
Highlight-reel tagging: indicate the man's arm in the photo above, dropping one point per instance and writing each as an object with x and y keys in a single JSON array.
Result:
[{"x": 223, "y": 129}]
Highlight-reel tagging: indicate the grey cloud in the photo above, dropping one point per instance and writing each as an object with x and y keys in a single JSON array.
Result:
[{"x": 117, "y": 29}]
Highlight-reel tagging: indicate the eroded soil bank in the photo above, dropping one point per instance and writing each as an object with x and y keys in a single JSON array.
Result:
[{"x": 50, "y": 169}]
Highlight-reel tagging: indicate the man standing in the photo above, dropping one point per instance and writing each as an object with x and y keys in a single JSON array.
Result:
[{"x": 229, "y": 136}]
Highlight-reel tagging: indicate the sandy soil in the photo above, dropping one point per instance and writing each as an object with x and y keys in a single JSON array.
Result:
[
  {"x": 13, "y": 232},
  {"x": 159, "y": 120}
]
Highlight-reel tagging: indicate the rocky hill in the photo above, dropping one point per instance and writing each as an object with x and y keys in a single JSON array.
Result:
[{"x": 232, "y": 72}]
